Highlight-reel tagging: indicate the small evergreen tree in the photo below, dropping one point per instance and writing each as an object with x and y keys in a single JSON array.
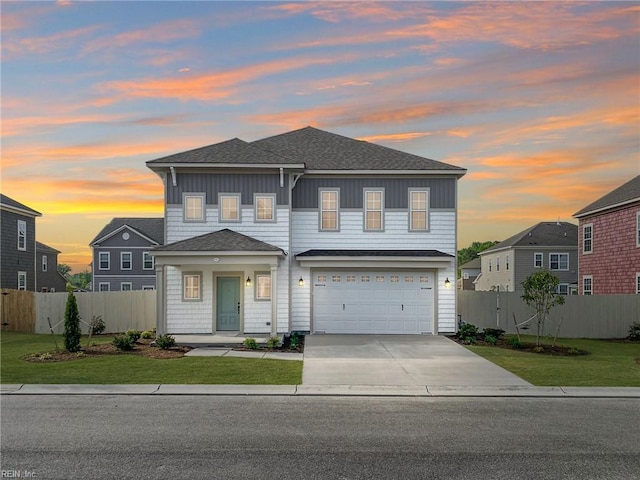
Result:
[
  {"x": 71, "y": 323},
  {"x": 540, "y": 294}
]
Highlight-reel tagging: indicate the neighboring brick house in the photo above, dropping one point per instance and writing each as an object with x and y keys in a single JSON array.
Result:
[
  {"x": 17, "y": 245},
  {"x": 609, "y": 246},
  {"x": 121, "y": 254},
  {"x": 48, "y": 278},
  {"x": 306, "y": 231},
  {"x": 550, "y": 245},
  {"x": 468, "y": 274}
]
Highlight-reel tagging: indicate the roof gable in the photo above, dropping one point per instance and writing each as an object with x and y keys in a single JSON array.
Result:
[
  {"x": 41, "y": 247},
  {"x": 624, "y": 194},
  {"x": 220, "y": 241},
  {"x": 7, "y": 203},
  {"x": 149, "y": 228},
  {"x": 543, "y": 234}
]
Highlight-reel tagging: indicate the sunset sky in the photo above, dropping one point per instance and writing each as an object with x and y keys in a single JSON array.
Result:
[{"x": 540, "y": 101}]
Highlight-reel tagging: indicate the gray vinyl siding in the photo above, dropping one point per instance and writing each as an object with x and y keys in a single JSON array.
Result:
[
  {"x": 213, "y": 184},
  {"x": 523, "y": 264},
  {"x": 13, "y": 260},
  {"x": 114, "y": 282},
  {"x": 50, "y": 279},
  {"x": 442, "y": 191}
]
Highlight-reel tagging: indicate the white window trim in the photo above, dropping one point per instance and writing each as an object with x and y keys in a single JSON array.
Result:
[
  {"x": 148, "y": 287},
  {"x": 566, "y": 285},
  {"x": 197, "y": 275},
  {"x": 257, "y": 276},
  {"x": 537, "y": 255},
  {"x": 559, "y": 269},
  {"x": 153, "y": 263},
  {"x": 108, "y": 254},
  {"x": 427, "y": 191},
  {"x": 22, "y": 275},
  {"x": 203, "y": 197},
  {"x": 235, "y": 196},
  {"x": 321, "y": 210},
  {"x": 22, "y": 235},
  {"x": 638, "y": 229},
  {"x": 587, "y": 277},
  {"x": 258, "y": 196},
  {"x": 44, "y": 263},
  {"x": 122, "y": 285},
  {"x": 365, "y": 210},
  {"x": 584, "y": 229},
  {"x": 637, "y": 282},
  {"x": 489, "y": 264},
  {"x": 506, "y": 260},
  {"x": 104, "y": 284},
  {"x": 497, "y": 264},
  {"x": 122, "y": 267}
]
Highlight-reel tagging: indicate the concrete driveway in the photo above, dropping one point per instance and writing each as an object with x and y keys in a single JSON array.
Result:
[{"x": 390, "y": 360}]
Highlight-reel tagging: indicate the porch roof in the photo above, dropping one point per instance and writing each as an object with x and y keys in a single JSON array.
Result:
[{"x": 222, "y": 241}]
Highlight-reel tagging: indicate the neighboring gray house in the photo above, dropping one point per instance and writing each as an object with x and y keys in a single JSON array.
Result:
[
  {"x": 48, "y": 279},
  {"x": 121, "y": 254},
  {"x": 306, "y": 231},
  {"x": 550, "y": 245},
  {"x": 17, "y": 245},
  {"x": 468, "y": 274}
]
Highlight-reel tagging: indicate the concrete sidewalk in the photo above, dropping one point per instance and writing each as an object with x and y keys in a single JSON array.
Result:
[
  {"x": 326, "y": 390},
  {"x": 229, "y": 352}
]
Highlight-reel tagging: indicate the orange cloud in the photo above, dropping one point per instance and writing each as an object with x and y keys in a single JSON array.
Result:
[
  {"x": 336, "y": 12},
  {"x": 46, "y": 44},
  {"x": 395, "y": 137}
]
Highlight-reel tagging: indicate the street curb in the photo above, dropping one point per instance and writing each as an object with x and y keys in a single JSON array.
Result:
[{"x": 435, "y": 391}]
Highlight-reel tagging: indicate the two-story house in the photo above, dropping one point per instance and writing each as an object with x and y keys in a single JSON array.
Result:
[
  {"x": 550, "y": 245},
  {"x": 48, "y": 278},
  {"x": 122, "y": 257},
  {"x": 306, "y": 231},
  {"x": 468, "y": 274},
  {"x": 17, "y": 245},
  {"x": 609, "y": 249}
]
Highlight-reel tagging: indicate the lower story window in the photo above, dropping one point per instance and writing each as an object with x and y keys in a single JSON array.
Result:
[
  {"x": 563, "y": 289},
  {"x": 125, "y": 286},
  {"x": 22, "y": 280},
  {"x": 263, "y": 286},
  {"x": 191, "y": 289},
  {"x": 103, "y": 287},
  {"x": 637, "y": 282},
  {"x": 587, "y": 285}
]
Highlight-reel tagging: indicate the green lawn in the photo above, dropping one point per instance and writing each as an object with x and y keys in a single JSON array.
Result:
[
  {"x": 121, "y": 369},
  {"x": 610, "y": 364}
]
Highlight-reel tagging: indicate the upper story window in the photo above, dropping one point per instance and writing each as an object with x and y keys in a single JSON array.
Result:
[
  {"x": 22, "y": 280},
  {"x": 489, "y": 264},
  {"x": 329, "y": 210},
  {"x": 497, "y": 264},
  {"x": 418, "y": 210},
  {"x": 147, "y": 261},
  {"x": 44, "y": 263},
  {"x": 373, "y": 210},
  {"x": 265, "y": 208},
  {"x": 558, "y": 261},
  {"x": 537, "y": 260},
  {"x": 506, "y": 261},
  {"x": 587, "y": 285},
  {"x": 194, "y": 207},
  {"x": 191, "y": 286},
  {"x": 587, "y": 238},
  {"x": 125, "y": 260},
  {"x": 104, "y": 260},
  {"x": 229, "y": 206},
  {"x": 22, "y": 235}
]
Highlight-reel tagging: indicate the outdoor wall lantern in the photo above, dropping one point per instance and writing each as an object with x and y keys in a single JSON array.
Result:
[
  {"x": 301, "y": 282},
  {"x": 248, "y": 282},
  {"x": 447, "y": 283}
]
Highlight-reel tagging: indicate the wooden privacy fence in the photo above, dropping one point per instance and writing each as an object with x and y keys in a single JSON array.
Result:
[
  {"x": 17, "y": 310},
  {"x": 581, "y": 316},
  {"x": 120, "y": 311}
]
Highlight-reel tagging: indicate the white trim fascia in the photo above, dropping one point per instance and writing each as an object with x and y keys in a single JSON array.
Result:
[
  {"x": 295, "y": 166},
  {"x": 375, "y": 262},
  {"x": 118, "y": 230},
  {"x": 459, "y": 173},
  {"x": 123, "y": 275},
  {"x": 608, "y": 207},
  {"x": 9, "y": 208},
  {"x": 214, "y": 253}
]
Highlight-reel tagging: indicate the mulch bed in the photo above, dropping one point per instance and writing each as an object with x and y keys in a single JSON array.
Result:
[
  {"x": 284, "y": 348},
  {"x": 558, "y": 350},
  {"x": 142, "y": 348}
]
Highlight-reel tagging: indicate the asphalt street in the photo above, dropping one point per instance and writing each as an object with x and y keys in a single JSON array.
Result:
[{"x": 236, "y": 437}]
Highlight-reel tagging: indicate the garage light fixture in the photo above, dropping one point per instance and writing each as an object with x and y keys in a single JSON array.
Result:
[
  {"x": 301, "y": 282},
  {"x": 447, "y": 283},
  {"x": 248, "y": 282}
]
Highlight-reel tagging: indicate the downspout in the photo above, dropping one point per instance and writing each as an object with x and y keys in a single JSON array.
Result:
[{"x": 174, "y": 176}]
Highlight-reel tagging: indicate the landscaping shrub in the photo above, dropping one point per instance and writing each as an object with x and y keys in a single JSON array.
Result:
[
  {"x": 165, "y": 342},
  {"x": 515, "y": 343},
  {"x": 250, "y": 343},
  {"x": 97, "y": 325},
  {"x": 273, "y": 342},
  {"x": 468, "y": 333},
  {"x": 294, "y": 341},
  {"x": 493, "y": 332},
  {"x": 490, "y": 339},
  {"x": 134, "y": 334},
  {"x": 147, "y": 335},
  {"x": 634, "y": 332},
  {"x": 71, "y": 324},
  {"x": 123, "y": 342}
]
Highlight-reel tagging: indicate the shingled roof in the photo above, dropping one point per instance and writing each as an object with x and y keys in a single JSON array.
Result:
[
  {"x": 220, "y": 241},
  {"x": 41, "y": 247},
  {"x": 11, "y": 204},
  {"x": 308, "y": 148},
  {"x": 543, "y": 234},
  {"x": 373, "y": 253},
  {"x": 152, "y": 228},
  {"x": 625, "y": 194}
]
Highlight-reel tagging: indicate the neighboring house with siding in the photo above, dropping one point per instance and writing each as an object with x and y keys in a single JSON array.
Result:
[
  {"x": 17, "y": 245},
  {"x": 468, "y": 274},
  {"x": 121, "y": 254},
  {"x": 550, "y": 245},
  {"x": 306, "y": 231},
  {"x": 609, "y": 243},
  {"x": 48, "y": 278}
]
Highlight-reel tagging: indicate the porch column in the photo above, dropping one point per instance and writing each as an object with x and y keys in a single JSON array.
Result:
[
  {"x": 274, "y": 299},
  {"x": 161, "y": 326}
]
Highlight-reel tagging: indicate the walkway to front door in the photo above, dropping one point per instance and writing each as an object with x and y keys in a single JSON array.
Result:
[{"x": 228, "y": 304}]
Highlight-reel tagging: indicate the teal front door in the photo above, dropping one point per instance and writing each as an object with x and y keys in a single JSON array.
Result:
[{"x": 228, "y": 304}]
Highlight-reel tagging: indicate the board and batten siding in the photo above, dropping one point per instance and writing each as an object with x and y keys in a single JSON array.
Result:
[{"x": 396, "y": 235}]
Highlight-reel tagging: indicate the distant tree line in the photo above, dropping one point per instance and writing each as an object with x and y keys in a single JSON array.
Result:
[{"x": 80, "y": 280}]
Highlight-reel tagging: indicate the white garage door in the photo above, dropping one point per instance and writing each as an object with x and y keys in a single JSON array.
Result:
[{"x": 373, "y": 302}]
